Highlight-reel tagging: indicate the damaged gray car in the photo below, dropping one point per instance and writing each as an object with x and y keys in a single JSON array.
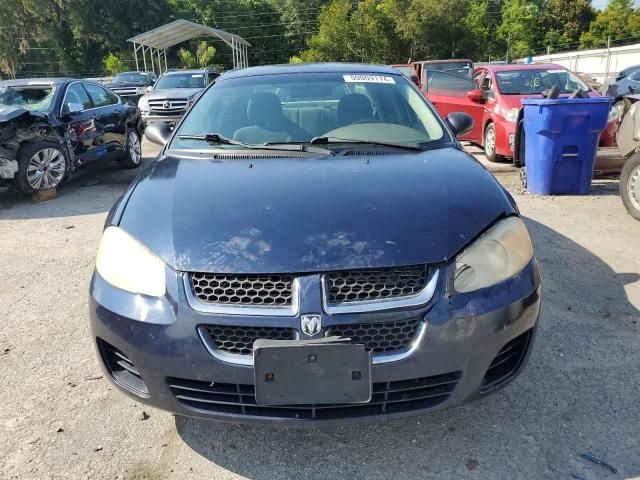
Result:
[{"x": 50, "y": 127}]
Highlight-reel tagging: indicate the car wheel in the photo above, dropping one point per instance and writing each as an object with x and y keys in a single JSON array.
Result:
[
  {"x": 490, "y": 144},
  {"x": 133, "y": 150},
  {"x": 630, "y": 186},
  {"x": 41, "y": 165}
]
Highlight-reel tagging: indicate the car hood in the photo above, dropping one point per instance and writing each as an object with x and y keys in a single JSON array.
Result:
[
  {"x": 312, "y": 214},
  {"x": 173, "y": 93},
  {"x": 11, "y": 114},
  {"x": 125, "y": 84},
  {"x": 515, "y": 101}
]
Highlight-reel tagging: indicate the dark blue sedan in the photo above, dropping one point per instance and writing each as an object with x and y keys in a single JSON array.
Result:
[{"x": 313, "y": 245}]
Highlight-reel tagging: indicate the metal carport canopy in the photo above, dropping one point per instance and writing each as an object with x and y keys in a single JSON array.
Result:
[{"x": 178, "y": 31}]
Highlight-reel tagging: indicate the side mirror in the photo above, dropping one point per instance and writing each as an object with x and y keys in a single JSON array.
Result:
[
  {"x": 460, "y": 123},
  {"x": 73, "y": 108},
  {"x": 475, "y": 95},
  {"x": 149, "y": 88},
  {"x": 158, "y": 133},
  {"x": 414, "y": 79}
]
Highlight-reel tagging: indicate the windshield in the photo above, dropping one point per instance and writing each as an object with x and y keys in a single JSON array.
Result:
[
  {"x": 32, "y": 97},
  {"x": 131, "y": 78},
  {"x": 529, "y": 82},
  {"x": 458, "y": 68},
  {"x": 296, "y": 108},
  {"x": 180, "y": 80}
]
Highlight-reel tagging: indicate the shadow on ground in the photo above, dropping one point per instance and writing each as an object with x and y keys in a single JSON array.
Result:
[
  {"x": 93, "y": 189},
  {"x": 578, "y": 394}
]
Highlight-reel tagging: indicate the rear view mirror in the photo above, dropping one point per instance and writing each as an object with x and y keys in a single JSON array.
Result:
[
  {"x": 475, "y": 95},
  {"x": 158, "y": 133},
  {"x": 460, "y": 123},
  {"x": 74, "y": 108}
]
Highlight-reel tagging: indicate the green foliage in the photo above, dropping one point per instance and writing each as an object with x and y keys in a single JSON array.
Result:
[
  {"x": 203, "y": 56},
  {"x": 364, "y": 34},
  {"x": 563, "y": 21},
  {"x": 113, "y": 64},
  {"x": 618, "y": 20},
  {"x": 519, "y": 27}
]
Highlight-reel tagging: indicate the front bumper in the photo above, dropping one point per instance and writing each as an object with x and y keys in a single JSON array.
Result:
[
  {"x": 148, "y": 118},
  {"x": 464, "y": 334}
]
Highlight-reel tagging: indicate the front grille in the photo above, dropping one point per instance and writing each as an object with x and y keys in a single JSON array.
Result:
[
  {"x": 168, "y": 105},
  {"x": 388, "y": 397},
  {"x": 122, "y": 369},
  {"x": 239, "y": 340},
  {"x": 380, "y": 337},
  {"x": 507, "y": 362},
  {"x": 375, "y": 284},
  {"x": 255, "y": 290}
]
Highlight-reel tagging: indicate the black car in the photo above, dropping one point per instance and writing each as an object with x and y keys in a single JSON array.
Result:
[
  {"x": 50, "y": 127},
  {"x": 132, "y": 85},
  {"x": 627, "y": 81},
  {"x": 313, "y": 245}
]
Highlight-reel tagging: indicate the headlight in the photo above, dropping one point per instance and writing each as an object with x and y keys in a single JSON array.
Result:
[
  {"x": 511, "y": 114},
  {"x": 143, "y": 105},
  {"x": 614, "y": 114},
  {"x": 498, "y": 254},
  {"x": 127, "y": 264}
]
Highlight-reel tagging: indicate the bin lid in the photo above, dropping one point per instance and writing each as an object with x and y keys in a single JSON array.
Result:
[{"x": 565, "y": 101}]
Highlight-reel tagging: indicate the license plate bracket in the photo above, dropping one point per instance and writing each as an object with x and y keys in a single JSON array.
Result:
[{"x": 305, "y": 372}]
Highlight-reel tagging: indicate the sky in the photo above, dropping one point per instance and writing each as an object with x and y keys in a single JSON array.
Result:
[{"x": 600, "y": 4}]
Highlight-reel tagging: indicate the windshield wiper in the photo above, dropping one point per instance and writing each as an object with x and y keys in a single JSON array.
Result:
[
  {"x": 406, "y": 146},
  {"x": 222, "y": 140}
]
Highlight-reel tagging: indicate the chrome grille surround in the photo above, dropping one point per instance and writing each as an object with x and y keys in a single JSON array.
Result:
[
  {"x": 126, "y": 91},
  {"x": 165, "y": 105}
]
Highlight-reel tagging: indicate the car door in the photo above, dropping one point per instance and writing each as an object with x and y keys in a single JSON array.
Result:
[
  {"x": 449, "y": 93},
  {"x": 76, "y": 113},
  {"x": 110, "y": 117}
]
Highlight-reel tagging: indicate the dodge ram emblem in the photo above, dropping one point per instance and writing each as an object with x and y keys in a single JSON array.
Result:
[{"x": 311, "y": 324}]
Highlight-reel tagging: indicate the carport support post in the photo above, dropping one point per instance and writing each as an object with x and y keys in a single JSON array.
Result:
[
  {"x": 159, "y": 62},
  {"x": 135, "y": 53},
  {"x": 144, "y": 57}
]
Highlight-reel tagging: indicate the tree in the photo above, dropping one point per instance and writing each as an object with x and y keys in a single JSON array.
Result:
[
  {"x": 203, "y": 56},
  {"x": 364, "y": 34},
  {"x": 563, "y": 21},
  {"x": 481, "y": 23},
  {"x": 113, "y": 64},
  {"x": 518, "y": 28},
  {"x": 617, "y": 21},
  {"x": 14, "y": 42}
]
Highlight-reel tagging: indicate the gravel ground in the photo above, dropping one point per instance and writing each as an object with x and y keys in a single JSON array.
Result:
[{"x": 59, "y": 418}]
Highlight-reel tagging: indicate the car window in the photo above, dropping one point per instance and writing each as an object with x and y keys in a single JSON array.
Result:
[
  {"x": 100, "y": 96},
  {"x": 297, "y": 108},
  {"x": 180, "y": 80},
  {"x": 528, "y": 82},
  {"x": 32, "y": 97},
  {"x": 76, "y": 94},
  {"x": 131, "y": 77},
  {"x": 635, "y": 77},
  {"x": 456, "y": 84}
]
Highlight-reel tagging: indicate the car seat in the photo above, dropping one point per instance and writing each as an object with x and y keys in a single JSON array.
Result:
[{"x": 354, "y": 108}]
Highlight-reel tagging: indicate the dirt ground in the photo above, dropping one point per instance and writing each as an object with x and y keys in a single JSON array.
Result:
[{"x": 59, "y": 418}]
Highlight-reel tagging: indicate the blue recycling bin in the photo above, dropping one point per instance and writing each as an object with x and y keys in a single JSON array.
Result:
[{"x": 561, "y": 142}]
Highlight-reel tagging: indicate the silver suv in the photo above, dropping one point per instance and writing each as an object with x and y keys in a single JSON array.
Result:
[{"x": 173, "y": 94}]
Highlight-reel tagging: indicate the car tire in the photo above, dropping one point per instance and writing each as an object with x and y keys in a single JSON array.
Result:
[
  {"x": 132, "y": 156},
  {"x": 41, "y": 165},
  {"x": 489, "y": 143},
  {"x": 630, "y": 186}
]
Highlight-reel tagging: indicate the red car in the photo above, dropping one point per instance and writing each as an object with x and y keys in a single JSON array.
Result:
[{"x": 493, "y": 98}]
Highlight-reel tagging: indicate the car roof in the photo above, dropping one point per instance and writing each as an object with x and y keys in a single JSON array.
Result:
[
  {"x": 311, "y": 68},
  {"x": 523, "y": 66},
  {"x": 36, "y": 81},
  {"x": 448, "y": 60}
]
